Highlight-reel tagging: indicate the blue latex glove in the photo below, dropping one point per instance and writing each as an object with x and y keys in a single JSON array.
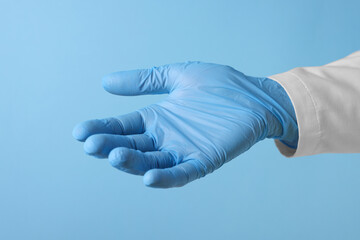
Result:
[{"x": 212, "y": 114}]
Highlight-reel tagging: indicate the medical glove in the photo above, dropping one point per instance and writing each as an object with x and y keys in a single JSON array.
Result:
[{"x": 212, "y": 114}]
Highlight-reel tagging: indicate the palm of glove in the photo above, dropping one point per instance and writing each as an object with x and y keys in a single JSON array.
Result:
[{"x": 212, "y": 114}]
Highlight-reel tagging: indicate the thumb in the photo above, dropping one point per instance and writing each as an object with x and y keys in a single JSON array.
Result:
[{"x": 156, "y": 80}]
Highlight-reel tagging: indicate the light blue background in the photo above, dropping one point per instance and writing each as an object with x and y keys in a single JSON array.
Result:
[{"x": 52, "y": 58}]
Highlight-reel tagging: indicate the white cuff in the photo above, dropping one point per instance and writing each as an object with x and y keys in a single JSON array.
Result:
[{"x": 306, "y": 115}]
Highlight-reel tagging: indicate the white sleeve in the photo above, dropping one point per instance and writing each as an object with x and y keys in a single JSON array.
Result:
[{"x": 326, "y": 100}]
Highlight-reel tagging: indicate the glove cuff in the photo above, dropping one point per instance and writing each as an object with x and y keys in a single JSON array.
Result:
[{"x": 282, "y": 123}]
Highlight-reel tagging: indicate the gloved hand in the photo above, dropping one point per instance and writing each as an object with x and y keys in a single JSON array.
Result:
[{"x": 212, "y": 114}]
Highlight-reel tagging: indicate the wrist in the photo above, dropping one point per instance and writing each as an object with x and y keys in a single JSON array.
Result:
[
  {"x": 281, "y": 117},
  {"x": 287, "y": 116}
]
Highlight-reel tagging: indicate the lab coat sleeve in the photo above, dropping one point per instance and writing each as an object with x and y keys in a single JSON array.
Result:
[{"x": 326, "y": 100}]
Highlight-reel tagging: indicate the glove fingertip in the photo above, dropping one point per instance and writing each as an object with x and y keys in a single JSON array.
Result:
[
  {"x": 153, "y": 179},
  {"x": 92, "y": 145},
  {"x": 118, "y": 157},
  {"x": 78, "y": 133},
  {"x": 106, "y": 82}
]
